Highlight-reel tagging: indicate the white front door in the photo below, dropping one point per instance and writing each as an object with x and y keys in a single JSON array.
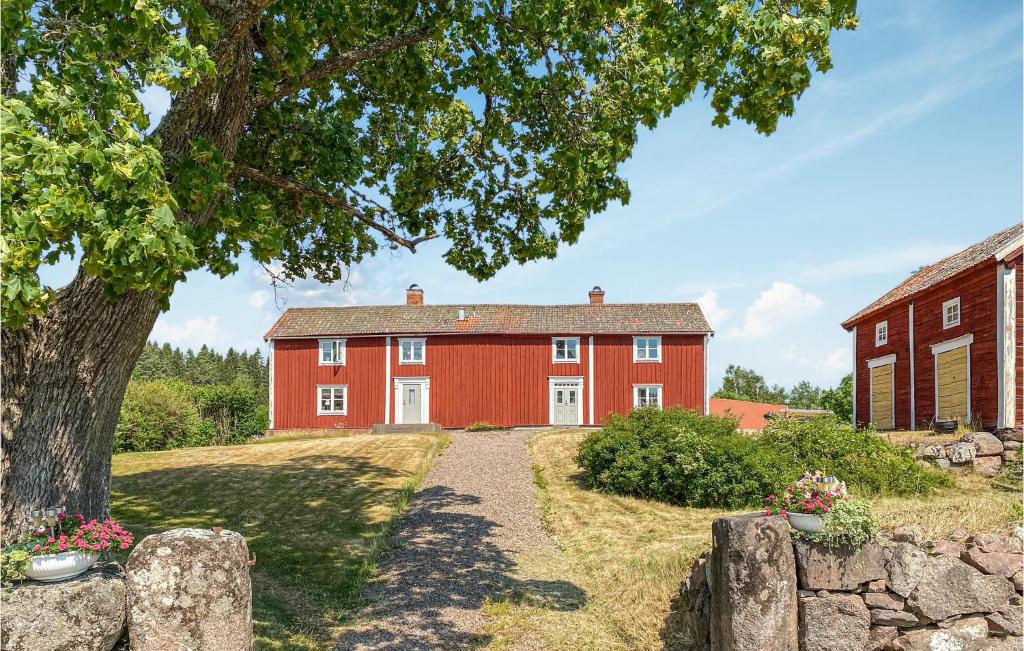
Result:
[
  {"x": 565, "y": 404},
  {"x": 412, "y": 403}
]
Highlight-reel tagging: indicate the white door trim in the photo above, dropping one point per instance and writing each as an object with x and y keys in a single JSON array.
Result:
[
  {"x": 554, "y": 380},
  {"x": 270, "y": 374},
  {"x": 945, "y": 347},
  {"x": 424, "y": 383},
  {"x": 590, "y": 380},
  {"x": 882, "y": 361}
]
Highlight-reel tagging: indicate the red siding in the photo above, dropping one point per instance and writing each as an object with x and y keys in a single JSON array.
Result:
[
  {"x": 681, "y": 372},
  {"x": 977, "y": 291},
  {"x": 502, "y": 380},
  {"x": 297, "y": 373}
]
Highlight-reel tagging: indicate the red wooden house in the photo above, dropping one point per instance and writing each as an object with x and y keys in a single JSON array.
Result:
[
  {"x": 946, "y": 343},
  {"x": 507, "y": 365}
]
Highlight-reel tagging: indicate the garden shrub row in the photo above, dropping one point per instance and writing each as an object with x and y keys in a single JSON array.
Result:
[
  {"x": 166, "y": 414},
  {"x": 684, "y": 458}
]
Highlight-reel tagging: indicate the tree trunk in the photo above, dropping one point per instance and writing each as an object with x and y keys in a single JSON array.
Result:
[
  {"x": 64, "y": 374},
  {"x": 64, "y": 377}
]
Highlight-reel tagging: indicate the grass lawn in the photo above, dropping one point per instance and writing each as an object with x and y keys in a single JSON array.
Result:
[
  {"x": 629, "y": 555},
  {"x": 313, "y": 511}
]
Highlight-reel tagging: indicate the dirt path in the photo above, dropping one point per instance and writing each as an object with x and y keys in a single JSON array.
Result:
[{"x": 456, "y": 546}]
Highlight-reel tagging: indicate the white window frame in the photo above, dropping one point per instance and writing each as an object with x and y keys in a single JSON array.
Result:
[
  {"x": 642, "y": 360},
  {"x": 879, "y": 327},
  {"x": 554, "y": 349},
  {"x": 413, "y": 340},
  {"x": 344, "y": 396},
  {"x": 636, "y": 395},
  {"x": 946, "y": 323},
  {"x": 339, "y": 345}
]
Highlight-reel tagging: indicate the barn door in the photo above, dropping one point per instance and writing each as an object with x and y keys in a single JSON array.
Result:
[
  {"x": 951, "y": 385},
  {"x": 881, "y": 397}
]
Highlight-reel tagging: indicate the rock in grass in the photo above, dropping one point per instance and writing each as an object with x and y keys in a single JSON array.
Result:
[
  {"x": 988, "y": 466},
  {"x": 985, "y": 444},
  {"x": 909, "y": 533},
  {"x": 86, "y": 612},
  {"x": 189, "y": 589},
  {"x": 834, "y": 623},
  {"x": 960, "y": 452},
  {"x": 753, "y": 578}
]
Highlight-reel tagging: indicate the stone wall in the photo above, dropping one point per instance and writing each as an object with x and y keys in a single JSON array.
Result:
[
  {"x": 901, "y": 593},
  {"x": 982, "y": 451},
  {"x": 186, "y": 589}
]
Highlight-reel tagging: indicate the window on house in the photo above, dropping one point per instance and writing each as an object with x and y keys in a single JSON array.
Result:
[
  {"x": 647, "y": 396},
  {"x": 951, "y": 313},
  {"x": 565, "y": 349},
  {"x": 882, "y": 333},
  {"x": 332, "y": 399},
  {"x": 646, "y": 349},
  {"x": 413, "y": 351},
  {"x": 332, "y": 351}
]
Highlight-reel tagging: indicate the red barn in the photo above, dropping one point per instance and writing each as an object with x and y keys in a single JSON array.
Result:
[
  {"x": 945, "y": 344},
  {"x": 507, "y": 365}
]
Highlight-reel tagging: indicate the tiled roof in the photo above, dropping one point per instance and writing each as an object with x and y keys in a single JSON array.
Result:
[
  {"x": 607, "y": 318},
  {"x": 945, "y": 269}
]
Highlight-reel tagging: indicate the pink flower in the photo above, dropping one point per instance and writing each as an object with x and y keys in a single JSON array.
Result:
[
  {"x": 767, "y": 511},
  {"x": 51, "y": 540},
  {"x": 95, "y": 548},
  {"x": 37, "y": 548},
  {"x": 63, "y": 546},
  {"x": 124, "y": 545}
]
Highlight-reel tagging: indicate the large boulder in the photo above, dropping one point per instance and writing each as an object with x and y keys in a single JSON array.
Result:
[
  {"x": 988, "y": 466},
  {"x": 753, "y": 585},
  {"x": 189, "y": 589},
  {"x": 86, "y": 612},
  {"x": 985, "y": 444},
  {"x": 904, "y": 566},
  {"x": 949, "y": 587},
  {"x": 845, "y": 568},
  {"x": 834, "y": 623}
]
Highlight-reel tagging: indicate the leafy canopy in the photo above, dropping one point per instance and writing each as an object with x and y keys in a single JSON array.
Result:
[{"x": 498, "y": 126}]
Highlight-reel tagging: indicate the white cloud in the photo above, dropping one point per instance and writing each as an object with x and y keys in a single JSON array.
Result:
[
  {"x": 259, "y": 298},
  {"x": 780, "y": 304},
  {"x": 840, "y": 359},
  {"x": 192, "y": 334},
  {"x": 715, "y": 313},
  {"x": 905, "y": 259}
]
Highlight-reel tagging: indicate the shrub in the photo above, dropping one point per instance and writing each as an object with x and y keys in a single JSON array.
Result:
[
  {"x": 681, "y": 457},
  {"x": 482, "y": 426},
  {"x": 158, "y": 415}
]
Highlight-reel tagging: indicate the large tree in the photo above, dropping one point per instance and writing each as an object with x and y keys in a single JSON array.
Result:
[{"x": 312, "y": 133}]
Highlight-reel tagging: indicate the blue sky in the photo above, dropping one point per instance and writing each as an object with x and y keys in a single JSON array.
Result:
[{"x": 908, "y": 150}]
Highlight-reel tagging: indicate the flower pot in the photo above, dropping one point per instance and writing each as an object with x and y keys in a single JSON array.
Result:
[
  {"x": 54, "y": 567},
  {"x": 805, "y": 522}
]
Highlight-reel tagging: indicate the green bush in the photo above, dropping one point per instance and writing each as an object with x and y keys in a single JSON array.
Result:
[
  {"x": 681, "y": 457},
  {"x": 849, "y": 523},
  {"x": 158, "y": 415},
  {"x": 165, "y": 414}
]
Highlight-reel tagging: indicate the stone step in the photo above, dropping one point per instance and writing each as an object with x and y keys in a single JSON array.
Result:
[{"x": 405, "y": 428}]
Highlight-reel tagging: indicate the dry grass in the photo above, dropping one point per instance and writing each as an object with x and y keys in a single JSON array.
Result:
[
  {"x": 907, "y": 437},
  {"x": 629, "y": 556},
  {"x": 314, "y": 511}
]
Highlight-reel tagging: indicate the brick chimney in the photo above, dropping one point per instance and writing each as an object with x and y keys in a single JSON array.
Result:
[
  {"x": 596, "y": 296},
  {"x": 414, "y": 295}
]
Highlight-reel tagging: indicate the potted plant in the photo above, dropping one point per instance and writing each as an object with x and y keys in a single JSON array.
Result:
[
  {"x": 63, "y": 546},
  {"x": 805, "y": 503}
]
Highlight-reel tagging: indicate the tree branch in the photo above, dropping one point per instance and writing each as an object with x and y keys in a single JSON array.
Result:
[
  {"x": 347, "y": 60},
  {"x": 298, "y": 187},
  {"x": 241, "y": 21}
]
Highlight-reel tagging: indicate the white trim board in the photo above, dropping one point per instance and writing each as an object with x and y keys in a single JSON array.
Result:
[
  {"x": 590, "y": 380},
  {"x": 270, "y": 373},
  {"x": 882, "y": 361},
  {"x": 853, "y": 415},
  {"x": 387, "y": 380},
  {"x": 913, "y": 402},
  {"x": 952, "y": 344}
]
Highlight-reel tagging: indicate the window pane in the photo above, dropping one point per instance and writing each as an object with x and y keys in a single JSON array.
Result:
[
  {"x": 417, "y": 351},
  {"x": 325, "y": 351},
  {"x": 653, "y": 349},
  {"x": 339, "y": 402},
  {"x": 559, "y": 349},
  {"x": 570, "y": 347},
  {"x": 572, "y": 397}
]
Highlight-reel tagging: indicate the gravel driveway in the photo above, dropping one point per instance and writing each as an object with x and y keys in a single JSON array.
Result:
[{"x": 455, "y": 546}]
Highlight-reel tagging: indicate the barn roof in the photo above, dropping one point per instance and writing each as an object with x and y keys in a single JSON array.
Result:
[
  {"x": 992, "y": 247},
  {"x": 607, "y": 318}
]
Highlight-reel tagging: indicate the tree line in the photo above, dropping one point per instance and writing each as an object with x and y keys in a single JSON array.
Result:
[
  {"x": 746, "y": 384},
  {"x": 185, "y": 399}
]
